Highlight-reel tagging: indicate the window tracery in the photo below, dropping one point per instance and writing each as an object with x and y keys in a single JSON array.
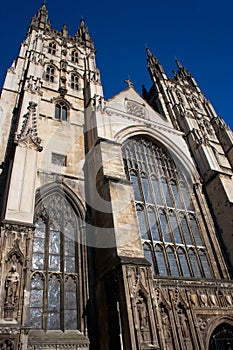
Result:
[
  {"x": 61, "y": 111},
  {"x": 74, "y": 81},
  {"x": 52, "y": 48},
  {"x": 167, "y": 220},
  {"x": 74, "y": 56},
  {"x": 50, "y": 73},
  {"x": 54, "y": 282}
]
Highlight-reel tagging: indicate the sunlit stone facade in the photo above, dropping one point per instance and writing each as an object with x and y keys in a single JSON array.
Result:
[{"x": 116, "y": 215}]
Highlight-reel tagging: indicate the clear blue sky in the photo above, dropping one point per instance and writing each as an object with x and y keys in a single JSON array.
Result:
[{"x": 199, "y": 33}]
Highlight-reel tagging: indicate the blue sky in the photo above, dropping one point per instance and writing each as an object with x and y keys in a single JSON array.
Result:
[{"x": 199, "y": 33}]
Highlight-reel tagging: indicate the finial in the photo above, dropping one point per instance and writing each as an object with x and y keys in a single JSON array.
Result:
[{"x": 129, "y": 82}]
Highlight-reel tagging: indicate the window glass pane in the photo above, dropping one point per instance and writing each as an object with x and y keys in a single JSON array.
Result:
[
  {"x": 183, "y": 262},
  {"x": 64, "y": 113},
  {"x": 54, "y": 263},
  {"x": 153, "y": 225},
  {"x": 148, "y": 255},
  {"x": 36, "y": 301},
  {"x": 172, "y": 262},
  {"x": 137, "y": 192},
  {"x": 40, "y": 229},
  {"x": 38, "y": 261},
  {"x": 166, "y": 193},
  {"x": 53, "y": 321},
  {"x": 195, "y": 230},
  {"x": 185, "y": 230},
  {"x": 142, "y": 222},
  {"x": 54, "y": 242},
  {"x": 70, "y": 304},
  {"x": 146, "y": 189},
  {"x": 194, "y": 263},
  {"x": 70, "y": 264},
  {"x": 205, "y": 264},
  {"x": 186, "y": 196},
  {"x": 69, "y": 247},
  {"x": 175, "y": 228},
  {"x": 160, "y": 260},
  {"x": 157, "y": 194},
  {"x": 176, "y": 195},
  {"x": 38, "y": 245},
  {"x": 164, "y": 227},
  {"x": 57, "y": 112},
  {"x": 37, "y": 288}
]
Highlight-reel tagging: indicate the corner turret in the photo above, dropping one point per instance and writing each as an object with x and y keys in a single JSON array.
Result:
[
  {"x": 40, "y": 20},
  {"x": 83, "y": 34},
  {"x": 184, "y": 75}
]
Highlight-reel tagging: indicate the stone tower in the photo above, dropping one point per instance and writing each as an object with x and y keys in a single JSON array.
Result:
[{"x": 115, "y": 214}]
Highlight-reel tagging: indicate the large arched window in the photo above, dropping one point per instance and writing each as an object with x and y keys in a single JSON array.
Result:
[
  {"x": 55, "y": 283},
  {"x": 167, "y": 219}
]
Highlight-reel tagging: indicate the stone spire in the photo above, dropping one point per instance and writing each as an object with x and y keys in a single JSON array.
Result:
[{"x": 154, "y": 66}]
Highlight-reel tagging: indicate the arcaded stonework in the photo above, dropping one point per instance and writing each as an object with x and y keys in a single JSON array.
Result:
[{"x": 116, "y": 215}]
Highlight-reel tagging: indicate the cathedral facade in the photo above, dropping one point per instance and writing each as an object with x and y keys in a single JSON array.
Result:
[{"x": 116, "y": 215}]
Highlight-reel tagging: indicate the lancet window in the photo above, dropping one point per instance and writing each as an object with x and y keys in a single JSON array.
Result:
[
  {"x": 61, "y": 111},
  {"x": 168, "y": 223},
  {"x": 55, "y": 295}
]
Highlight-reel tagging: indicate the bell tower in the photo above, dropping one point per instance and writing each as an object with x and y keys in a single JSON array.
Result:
[{"x": 42, "y": 148}]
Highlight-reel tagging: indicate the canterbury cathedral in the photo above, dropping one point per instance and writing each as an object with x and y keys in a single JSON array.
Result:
[{"x": 116, "y": 214}]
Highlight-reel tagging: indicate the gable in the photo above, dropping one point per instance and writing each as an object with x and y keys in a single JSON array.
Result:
[{"x": 131, "y": 103}]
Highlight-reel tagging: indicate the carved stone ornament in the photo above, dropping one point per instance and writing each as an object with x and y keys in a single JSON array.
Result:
[
  {"x": 6, "y": 345},
  {"x": 183, "y": 323},
  {"x": 98, "y": 103},
  {"x": 11, "y": 287},
  {"x": 34, "y": 86},
  {"x": 166, "y": 325},
  {"x": 28, "y": 134},
  {"x": 135, "y": 109},
  {"x": 143, "y": 317}
]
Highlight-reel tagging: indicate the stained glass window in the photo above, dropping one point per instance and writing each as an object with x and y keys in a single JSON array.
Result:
[
  {"x": 166, "y": 215},
  {"x": 54, "y": 293}
]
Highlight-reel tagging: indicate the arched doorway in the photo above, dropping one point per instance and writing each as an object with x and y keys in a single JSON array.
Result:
[{"x": 222, "y": 338}]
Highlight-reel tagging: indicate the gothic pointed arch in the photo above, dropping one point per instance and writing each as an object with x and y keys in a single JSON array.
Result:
[
  {"x": 220, "y": 333},
  {"x": 59, "y": 271}
]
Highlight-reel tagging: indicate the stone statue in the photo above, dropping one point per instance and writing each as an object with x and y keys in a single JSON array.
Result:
[
  {"x": 166, "y": 324},
  {"x": 183, "y": 323},
  {"x": 11, "y": 286},
  {"x": 143, "y": 319}
]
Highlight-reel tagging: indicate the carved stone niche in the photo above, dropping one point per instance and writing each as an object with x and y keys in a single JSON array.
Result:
[
  {"x": 7, "y": 344},
  {"x": 9, "y": 338},
  {"x": 12, "y": 282}
]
